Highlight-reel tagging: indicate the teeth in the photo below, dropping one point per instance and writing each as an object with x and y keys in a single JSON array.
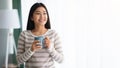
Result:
[{"x": 40, "y": 20}]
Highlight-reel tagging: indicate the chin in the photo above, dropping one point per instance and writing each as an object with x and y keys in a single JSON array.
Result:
[{"x": 42, "y": 24}]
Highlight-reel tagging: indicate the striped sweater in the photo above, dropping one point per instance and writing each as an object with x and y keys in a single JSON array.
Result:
[{"x": 43, "y": 58}]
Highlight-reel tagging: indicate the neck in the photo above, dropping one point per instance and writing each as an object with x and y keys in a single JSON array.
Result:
[{"x": 39, "y": 30}]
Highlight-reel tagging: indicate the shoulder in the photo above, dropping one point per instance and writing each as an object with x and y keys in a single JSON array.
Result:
[{"x": 52, "y": 31}]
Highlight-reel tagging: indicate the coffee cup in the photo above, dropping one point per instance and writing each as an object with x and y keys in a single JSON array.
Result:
[{"x": 41, "y": 40}]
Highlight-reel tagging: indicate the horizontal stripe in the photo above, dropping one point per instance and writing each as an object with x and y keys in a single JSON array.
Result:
[
  {"x": 40, "y": 55},
  {"x": 21, "y": 40},
  {"x": 41, "y": 64},
  {"x": 20, "y": 50},
  {"x": 40, "y": 58}
]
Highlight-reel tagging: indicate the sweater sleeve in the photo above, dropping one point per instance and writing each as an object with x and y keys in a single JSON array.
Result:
[
  {"x": 22, "y": 55},
  {"x": 56, "y": 52}
]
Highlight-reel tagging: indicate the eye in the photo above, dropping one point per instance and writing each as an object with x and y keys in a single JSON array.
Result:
[
  {"x": 37, "y": 13},
  {"x": 44, "y": 13}
]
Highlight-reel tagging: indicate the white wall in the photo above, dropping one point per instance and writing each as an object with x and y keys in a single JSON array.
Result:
[
  {"x": 99, "y": 33},
  {"x": 89, "y": 31}
]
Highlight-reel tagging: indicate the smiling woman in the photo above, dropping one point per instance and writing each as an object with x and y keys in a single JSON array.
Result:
[{"x": 31, "y": 53}]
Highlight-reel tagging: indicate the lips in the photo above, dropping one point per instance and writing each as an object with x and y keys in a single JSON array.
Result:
[{"x": 41, "y": 20}]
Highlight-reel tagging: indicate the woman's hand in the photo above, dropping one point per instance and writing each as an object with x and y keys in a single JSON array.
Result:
[
  {"x": 47, "y": 42},
  {"x": 35, "y": 46}
]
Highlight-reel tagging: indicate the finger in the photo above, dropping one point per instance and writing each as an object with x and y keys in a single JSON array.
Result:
[
  {"x": 38, "y": 46},
  {"x": 46, "y": 37},
  {"x": 46, "y": 41},
  {"x": 36, "y": 41}
]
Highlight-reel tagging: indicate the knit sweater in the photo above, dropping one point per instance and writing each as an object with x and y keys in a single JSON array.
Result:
[{"x": 42, "y": 58}]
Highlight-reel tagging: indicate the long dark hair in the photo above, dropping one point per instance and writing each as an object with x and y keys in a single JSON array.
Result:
[{"x": 30, "y": 23}]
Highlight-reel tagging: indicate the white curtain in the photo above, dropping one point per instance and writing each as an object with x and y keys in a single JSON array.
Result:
[{"x": 89, "y": 31}]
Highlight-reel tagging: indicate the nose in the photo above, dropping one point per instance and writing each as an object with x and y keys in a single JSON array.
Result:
[{"x": 41, "y": 16}]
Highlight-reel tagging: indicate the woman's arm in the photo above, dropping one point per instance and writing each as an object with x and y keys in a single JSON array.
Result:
[
  {"x": 22, "y": 55},
  {"x": 56, "y": 52}
]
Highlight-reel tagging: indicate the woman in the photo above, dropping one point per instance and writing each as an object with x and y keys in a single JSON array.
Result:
[{"x": 28, "y": 51}]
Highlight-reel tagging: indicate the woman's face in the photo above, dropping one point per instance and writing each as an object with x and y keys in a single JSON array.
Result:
[{"x": 40, "y": 16}]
